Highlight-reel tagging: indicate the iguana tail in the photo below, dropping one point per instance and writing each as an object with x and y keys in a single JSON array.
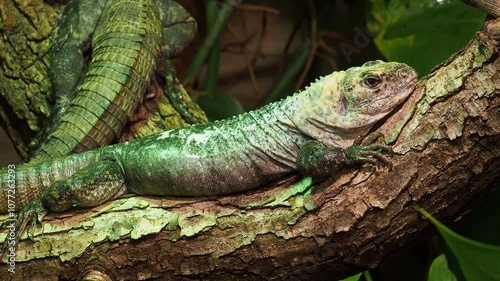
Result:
[{"x": 126, "y": 46}]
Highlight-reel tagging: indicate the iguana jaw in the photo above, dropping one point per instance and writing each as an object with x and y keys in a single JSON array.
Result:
[
  {"x": 343, "y": 106},
  {"x": 396, "y": 99},
  {"x": 350, "y": 132},
  {"x": 365, "y": 104}
]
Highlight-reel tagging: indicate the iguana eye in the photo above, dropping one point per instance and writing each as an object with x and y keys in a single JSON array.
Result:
[{"x": 372, "y": 81}]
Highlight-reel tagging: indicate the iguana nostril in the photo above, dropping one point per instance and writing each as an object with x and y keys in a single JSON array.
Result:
[{"x": 403, "y": 72}]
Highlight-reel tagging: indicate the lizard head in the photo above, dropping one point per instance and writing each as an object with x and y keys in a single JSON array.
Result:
[
  {"x": 371, "y": 91},
  {"x": 344, "y": 105}
]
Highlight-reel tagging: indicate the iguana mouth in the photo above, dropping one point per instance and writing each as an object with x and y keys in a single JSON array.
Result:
[
  {"x": 411, "y": 83},
  {"x": 405, "y": 90}
]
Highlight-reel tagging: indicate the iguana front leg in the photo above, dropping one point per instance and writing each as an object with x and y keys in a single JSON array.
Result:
[
  {"x": 176, "y": 93},
  {"x": 319, "y": 161},
  {"x": 178, "y": 30}
]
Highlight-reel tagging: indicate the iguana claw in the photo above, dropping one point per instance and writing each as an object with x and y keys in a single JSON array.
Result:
[
  {"x": 372, "y": 153},
  {"x": 27, "y": 218}
]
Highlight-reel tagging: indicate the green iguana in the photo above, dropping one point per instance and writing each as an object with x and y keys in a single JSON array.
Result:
[
  {"x": 129, "y": 39},
  {"x": 313, "y": 131}
]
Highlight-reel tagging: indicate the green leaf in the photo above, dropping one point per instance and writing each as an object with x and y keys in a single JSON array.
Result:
[
  {"x": 423, "y": 33},
  {"x": 483, "y": 222},
  {"x": 439, "y": 270},
  {"x": 353, "y": 278},
  {"x": 478, "y": 261},
  {"x": 220, "y": 106}
]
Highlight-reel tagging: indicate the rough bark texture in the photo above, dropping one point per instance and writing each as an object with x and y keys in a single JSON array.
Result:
[
  {"x": 492, "y": 7},
  {"x": 446, "y": 136},
  {"x": 24, "y": 86}
]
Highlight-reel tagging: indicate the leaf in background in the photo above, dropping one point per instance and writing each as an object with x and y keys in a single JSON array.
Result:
[
  {"x": 439, "y": 270},
  {"x": 478, "y": 261},
  {"x": 353, "y": 278},
  {"x": 423, "y": 33},
  {"x": 483, "y": 222},
  {"x": 220, "y": 106}
]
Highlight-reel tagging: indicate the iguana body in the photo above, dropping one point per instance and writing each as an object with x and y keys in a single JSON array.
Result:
[
  {"x": 232, "y": 155},
  {"x": 126, "y": 46},
  {"x": 312, "y": 131}
]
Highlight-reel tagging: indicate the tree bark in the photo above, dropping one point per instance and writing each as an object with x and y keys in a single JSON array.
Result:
[
  {"x": 492, "y": 7},
  {"x": 24, "y": 85},
  {"x": 446, "y": 137}
]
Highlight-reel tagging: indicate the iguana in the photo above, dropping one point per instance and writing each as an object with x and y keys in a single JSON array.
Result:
[
  {"x": 129, "y": 39},
  {"x": 313, "y": 131}
]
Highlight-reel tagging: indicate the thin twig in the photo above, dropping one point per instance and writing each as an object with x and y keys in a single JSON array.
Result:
[
  {"x": 314, "y": 46},
  {"x": 258, "y": 8}
]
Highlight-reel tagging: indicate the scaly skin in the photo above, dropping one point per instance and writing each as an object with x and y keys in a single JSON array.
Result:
[
  {"x": 313, "y": 131},
  {"x": 129, "y": 36}
]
